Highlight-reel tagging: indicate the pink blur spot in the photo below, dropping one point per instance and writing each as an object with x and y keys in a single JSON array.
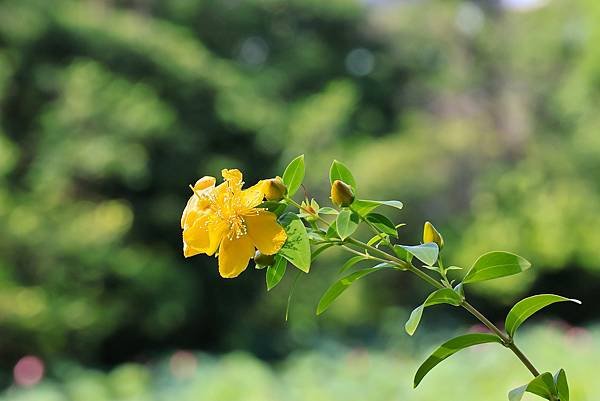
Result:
[
  {"x": 28, "y": 371},
  {"x": 183, "y": 364}
]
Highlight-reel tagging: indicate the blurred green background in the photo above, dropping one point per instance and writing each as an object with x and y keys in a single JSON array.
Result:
[{"x": 481, "y": 116}]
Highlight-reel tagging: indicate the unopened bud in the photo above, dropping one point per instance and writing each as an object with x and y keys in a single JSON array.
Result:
[
  {"x": 430, "y": 234},
  {"x": 261, "y": 260},
  {"x": 275, "y": 189},
  {"x": 342, "y": 194}
]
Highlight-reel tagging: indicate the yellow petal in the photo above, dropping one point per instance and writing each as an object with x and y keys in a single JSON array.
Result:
[
  {"x": 266, "y": 234},
  {"x": 205, "y": 182},
  {"x": 234, "y": 255},
  {"x": 204, "y": 236},
  {"x": 188, "y": 251},
  {"x": 217, "y": 229},
  {"x": 196, "y": 237},
  {"x": 195, "y": 204},
  {"x": 233, "y": 176},
  {"x": 254, "y": 195}
]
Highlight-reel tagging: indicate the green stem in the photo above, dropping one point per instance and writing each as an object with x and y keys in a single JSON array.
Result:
[
  {"x": 386, "y": 257},
  {"x": 506, "y": 340}
]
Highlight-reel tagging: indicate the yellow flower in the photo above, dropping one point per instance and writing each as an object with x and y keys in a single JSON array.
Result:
[
  {"x": 226, "y": 218},
  {"x": 430, "y": 234}
]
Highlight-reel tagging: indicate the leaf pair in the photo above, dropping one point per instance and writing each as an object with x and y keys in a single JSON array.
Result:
[{"x": 545, "y": 386}]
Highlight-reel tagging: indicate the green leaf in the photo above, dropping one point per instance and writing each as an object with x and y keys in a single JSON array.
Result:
[
  {"x": 365, "y": 206},
  {"x": 297, "y": 246},
  {"x": 451, "y": 347},
  {"x": 495, "y": 265},
  {"x": 382, "y": 223},
  {"x": 351, "y": 262},
  {"x": 274, "y": 207},
  {"x": 562, "y": 386},
  {"x": 346, "y": 223},
  {"x": 542, "y": 385},
  {"x": 403, "y": 253},
  {"x": 332, "y": 231},
  {"x": 376, "y": 239},
  {"x": 327, "y": 210},
  {"x": 339, "y": 171},
  {"x": 528, "y": 306},
  {"x": 341, "y": 285},
  {"x": 441, "y": 296},
  {"x": 293, "y": 175},
  {"x": 426, "y": 253},
  {"x": 320, "y": 250},
  {"x": 275, "y": 272}
]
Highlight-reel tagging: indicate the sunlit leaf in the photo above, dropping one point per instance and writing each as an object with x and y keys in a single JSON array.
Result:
[
  {"x": 451, "y": 347},
  {"x": 382, "y": 223},
  {"x": 441, "y": 296},
  {"x": 275, "y": 272},
  {"x": 542, "y": 385},
  {"x": 365, "y": 206},
  {"x": 403, "y": 253},
  {"x": 297, "y": 246},
  {"x": 346, "y": 223},
  {"x": 426, "y": 253},
  {"x": 562, "y": 386},
  {"x": 495, "y": 265},
  {"x": 293, "y": 175},
  {"x": 328, "y": 211},
  {"x": 339, "y": 171},
  {"x": 528, "y": 306}
]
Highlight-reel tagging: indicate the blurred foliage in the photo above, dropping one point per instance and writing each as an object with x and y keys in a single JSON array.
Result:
[
  {"x": 332, "y": 373},
  {"x": 480, "y": 118}
]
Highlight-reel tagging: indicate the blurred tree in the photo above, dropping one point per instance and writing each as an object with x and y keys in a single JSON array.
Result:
[{"x": 108, "y": 109}]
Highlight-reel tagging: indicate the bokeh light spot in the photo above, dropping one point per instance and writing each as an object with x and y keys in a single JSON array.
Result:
[
  {"x": 183, "y": 364},
  {"x": 254, "y": 51},
  {"x": 360, "y": 62},
  {"x": 28, "y": 371}
]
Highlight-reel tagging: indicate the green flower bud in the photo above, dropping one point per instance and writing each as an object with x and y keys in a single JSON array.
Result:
[
  {"x": 275, "y": 189},
  {"x": 261, "y": 260},
  {"x": 430, "y": 234},
  {"x": 342, "y": 194}
]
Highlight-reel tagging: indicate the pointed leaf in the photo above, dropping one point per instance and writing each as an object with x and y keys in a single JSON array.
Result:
[
  {"x": 495, "y": 265},
  {"x": 327, "y": 210},
  {"x": 441, "y": 296},
  {"x": 297, "y": 246},
  {"x": 528, "y": 306},
  {"x": 365, "y": 206},
  {"x": 403, "y": 253},
  {"x": 542, "y": 385},
  {"x": 382, "y": 223},
  {"x": 451, "y": 347},
  {"x": 516, "y": 394},
  {"x": 275, "y": 272},
  {"x": 426, "y": 253},
  {"x": 351, "y": 262},
  {"x": 562, "y": 386},
  {"x": 293, "y": 175},
  {"x": 339, "y": 171},
  {"x": 320, "y": 250},
  {"x": 346, "y": 223},
  {"x": 341, "y": 285}
]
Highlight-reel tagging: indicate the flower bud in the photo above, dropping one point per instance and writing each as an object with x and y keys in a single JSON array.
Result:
[
  {"x": 275, "y": 189},
  {"x": 430, "y": 234},
  {"x": 342, "y": 194},
  {"x": 263, "y": 260}
]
